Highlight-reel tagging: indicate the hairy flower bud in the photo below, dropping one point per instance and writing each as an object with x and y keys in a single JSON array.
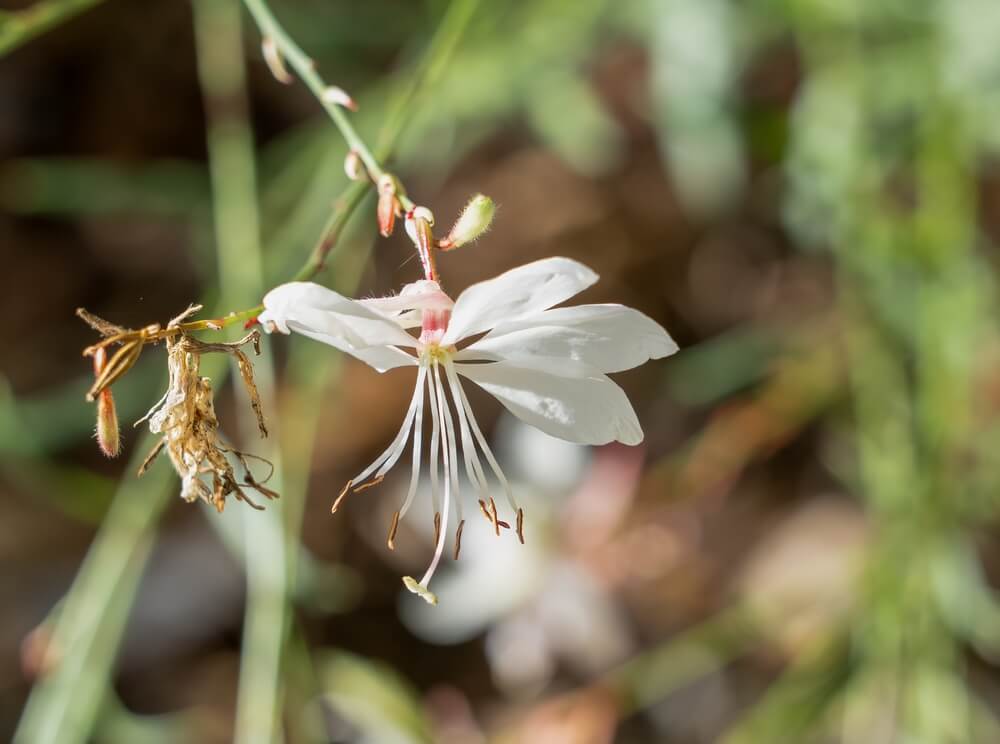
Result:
[
  {"x": 108, "y": 435},
  {"x": 472, "y": 223},
  {"x": 388, "y": 204}
]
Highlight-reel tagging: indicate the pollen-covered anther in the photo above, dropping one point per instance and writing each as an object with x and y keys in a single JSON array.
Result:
[
  {"x": 343, "y": 494},
  {"x": 275, "y": 63},
  {"x": 391, "y": 540},
  {"x": 520, "y": 525},
  {"x": 458, "y": 538}
]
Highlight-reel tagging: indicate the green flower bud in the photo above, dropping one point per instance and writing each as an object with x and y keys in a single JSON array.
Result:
[{"x": 473, "y": 222}]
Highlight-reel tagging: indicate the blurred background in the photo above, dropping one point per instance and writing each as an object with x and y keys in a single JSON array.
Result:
[{"x": 805, "y": 193}]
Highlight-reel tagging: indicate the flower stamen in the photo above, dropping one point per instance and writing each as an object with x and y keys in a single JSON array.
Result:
[
  {"x": 373, "y": 482},
  {"x": 343, "y": 494},
  {"x": 391, "y": 541},
  {"x": 458, "y": 538}
]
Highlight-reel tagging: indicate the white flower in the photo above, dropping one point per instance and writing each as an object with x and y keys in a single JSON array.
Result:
[{"x": 547, "y": 365}]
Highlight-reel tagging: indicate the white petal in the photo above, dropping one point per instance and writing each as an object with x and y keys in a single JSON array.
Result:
[
  {"x": 609, "y": 338},
  {"x": 585, "y": 410},
  {"x": 382, "y": 358},
  {"x": 516, "y": 294},
  {"x": 324, "y": 315},
  {"x": 419, "y": 295}
]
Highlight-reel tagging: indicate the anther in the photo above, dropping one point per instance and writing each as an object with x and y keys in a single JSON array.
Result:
[
  {"x": 485, "y": 511},
  {"x": 391, "y": 542},
  {"x": 520, "y": 525},
  {"x": 343, "y": 494},
  {"x": 437, "y": 526},
  {"x": 369, "y": 484},
  {"x": 458, "y": 538},
  {"x": 496, "y": 519}
]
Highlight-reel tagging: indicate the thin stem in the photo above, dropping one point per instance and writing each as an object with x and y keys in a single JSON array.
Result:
[
  {"x": 219, "y": 47},
  {"x": 306, "y": 70},
  {"x": 332, "y": 230},
  {"x": 24, "y": 25},
  {"x": 85, "y": 631}
]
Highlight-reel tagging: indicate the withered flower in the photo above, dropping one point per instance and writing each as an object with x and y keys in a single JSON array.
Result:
[{"x": 185, "y": 415}]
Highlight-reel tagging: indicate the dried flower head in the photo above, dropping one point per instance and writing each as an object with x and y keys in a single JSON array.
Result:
[
  {"x": 185, "y": 416},
  {"x": 108, "y": 436}
]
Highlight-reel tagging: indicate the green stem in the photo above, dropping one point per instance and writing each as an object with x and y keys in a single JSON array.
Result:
[
  {"x": 305, "y": 68},
  {"x": 23, "y": 26},
  {"x": 267, "y": 557},
  {"x": 85, "y": 631}
]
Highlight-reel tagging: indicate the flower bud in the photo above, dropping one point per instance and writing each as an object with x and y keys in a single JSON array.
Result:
[
  {"x": 388, "y": 204},
  {"x": 340, "y": 97},
  {"x": 352, "y": 165},
  {"x": 272, "y": 56},
  {"x": 472, "y": 223},
  {"x": 108, "y": 436},
  {"x": 419, "y": 222}
]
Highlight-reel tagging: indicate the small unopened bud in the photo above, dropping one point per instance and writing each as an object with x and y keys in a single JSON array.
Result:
[
  {"x": 353, "y": 166},
  {"x": 388, "y": 204},
  {"x": 275, "y": 63},
  {"x": 108, "y": 435},
  {"x": 471, "y": 224},
  {"x": 419, "y": 222},
  {"x": 340, "y": 97}
]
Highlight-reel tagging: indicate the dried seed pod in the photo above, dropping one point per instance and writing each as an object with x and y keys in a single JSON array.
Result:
[{"x": 186, "y": 419}]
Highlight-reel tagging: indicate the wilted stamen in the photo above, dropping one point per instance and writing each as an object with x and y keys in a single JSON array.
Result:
[{"x": 108, "y": 436}]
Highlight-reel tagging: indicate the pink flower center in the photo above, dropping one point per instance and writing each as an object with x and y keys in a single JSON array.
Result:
[{"x": 433, "y": 325}]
